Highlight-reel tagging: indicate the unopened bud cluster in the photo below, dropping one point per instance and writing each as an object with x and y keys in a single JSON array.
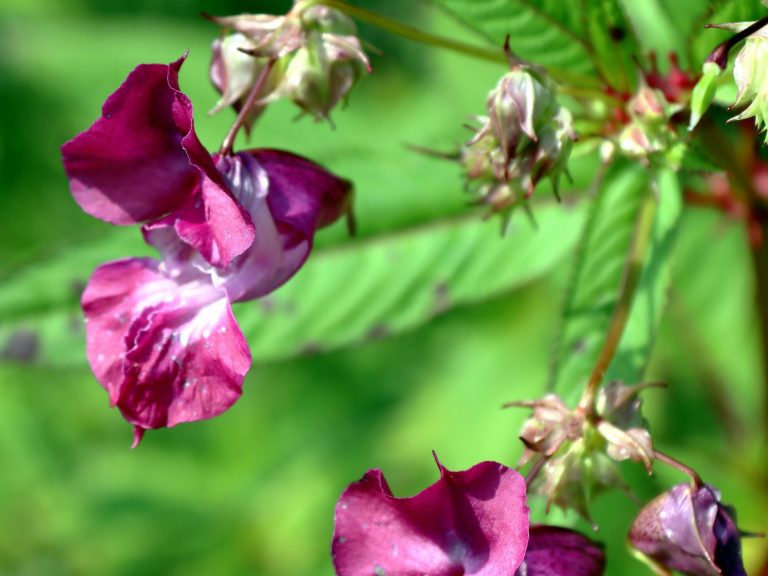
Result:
[
  {"x": 525, "y": 137},
  {"x": 311, "y": 55}
]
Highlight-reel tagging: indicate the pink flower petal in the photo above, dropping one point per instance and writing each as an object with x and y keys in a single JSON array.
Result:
[
  {"x": 130, "y": 166},
  {"x": 142, "y": 161},
  {"x": 470, "y": 522},
  {"x": 167, "y": 350}
]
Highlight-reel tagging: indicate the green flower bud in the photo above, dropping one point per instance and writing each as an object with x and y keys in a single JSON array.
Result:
[
  {"x": 525, "y": 137},
  {"x": 750, "y": 71},
  {"x": 322, "y": 72}
]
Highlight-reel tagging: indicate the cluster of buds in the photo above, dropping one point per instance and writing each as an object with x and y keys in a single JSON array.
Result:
[
  {"x": 648, "y": 130},
  {"x": 576, "y": 448},
  {"x": 311, "y": 55},
  {"x": 525, "y": 137}
]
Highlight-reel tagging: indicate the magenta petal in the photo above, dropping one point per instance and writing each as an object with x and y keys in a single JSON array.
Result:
[
  {"x": 130, "y": 166},
  {"x": 167, "y": 352},
  {"x": 303, "y": 195},
  {"x": 214, "y": 224},
  {"x": 554, "y": 551},
  {"x": 470, "y": 522}
]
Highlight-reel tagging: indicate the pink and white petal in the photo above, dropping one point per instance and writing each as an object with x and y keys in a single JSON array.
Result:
[
  {"x": 287, "y": 198},
  {"x": 115, "y": 295},
  {"x": 470, "y": 522},
  {"x": 130, "y": 166},
  {"x": 166, "y": 352},
  {"x": 186, "y": 362}
]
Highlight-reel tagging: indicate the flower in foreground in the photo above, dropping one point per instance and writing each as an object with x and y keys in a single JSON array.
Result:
[
  {"x": 161, "y": 337},
  {"x": 689, "y": 530},
  {"x": 469, "y": 522}
]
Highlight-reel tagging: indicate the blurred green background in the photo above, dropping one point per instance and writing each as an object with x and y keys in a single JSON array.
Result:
[{"x": 253, "y": 491}]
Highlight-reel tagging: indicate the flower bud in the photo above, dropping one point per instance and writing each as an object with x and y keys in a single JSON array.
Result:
[
  {"x": 234, "y": 72},
  {"x": 687, "y": 529},
  {"x": 648, "y": 131},
  {"x": 525, "y": 137},
  {"x": 322, "y": 72},
  {"x": 314, "y": 54},
  {"x": 750, "y": 71}
]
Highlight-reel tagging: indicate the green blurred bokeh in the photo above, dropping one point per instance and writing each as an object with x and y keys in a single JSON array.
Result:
[{"x": 253, "y": 492}]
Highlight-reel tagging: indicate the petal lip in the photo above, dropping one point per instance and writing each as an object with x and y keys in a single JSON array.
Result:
[
  {"x": 469, "y": 522},
  {"x": 142, "y": 161},
  {"x": 130, "y": 165},
  {"x": 167, "y": 352}
]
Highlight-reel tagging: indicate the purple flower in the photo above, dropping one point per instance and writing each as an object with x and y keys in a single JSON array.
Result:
[
  {"x": 554, "y": 551},
  {"x": 470, "y": 522},
  {"x": 687, "y": 529},
  {"x": 161, "y": 337}
]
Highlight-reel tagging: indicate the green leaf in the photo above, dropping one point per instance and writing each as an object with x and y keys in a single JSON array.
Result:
[
  {"x": 347, "y": 294},
  {"x": 613, "y": 42},
  {"x": 598, "y": 275},
  {"x": 547, "y": 32}
]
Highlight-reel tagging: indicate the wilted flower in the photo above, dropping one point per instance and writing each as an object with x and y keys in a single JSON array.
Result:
[
  {"x": 579, "y": 449},
  {"x": 161, "y": 338},
  {"x": 470, "y": 522},
  {"x": 689, "y": 530},
  {"x": 313, "y": 54}
]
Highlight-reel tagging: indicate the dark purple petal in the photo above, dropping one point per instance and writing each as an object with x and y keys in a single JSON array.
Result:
[
  {"x": 554, "y": 551},
  {"x": 688, "y": 530},
  {"x": 287, "y": 198},
  {"x": 303, "y": 196},
  {"x": 130, "y": 166},
  {"x": 167, "y": 350},
  {"x": 470, "y": 522}
]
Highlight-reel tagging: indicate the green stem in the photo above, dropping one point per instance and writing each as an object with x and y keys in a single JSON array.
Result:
[
  {"x": 406, "y": 31},
  {"x": 687, "y": 470},
  {"x": 633, "y": 271},
  {"x": 577, "y": 85}
]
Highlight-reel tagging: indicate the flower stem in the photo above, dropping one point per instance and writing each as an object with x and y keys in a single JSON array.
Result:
[
  {"x": 690, "y": 472},
  {"x": 580, "y": 86},
  {"x": 632, "y": 273},
  {"x": 229, "y": 139},
  {"x": 406, "y": 31}
]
